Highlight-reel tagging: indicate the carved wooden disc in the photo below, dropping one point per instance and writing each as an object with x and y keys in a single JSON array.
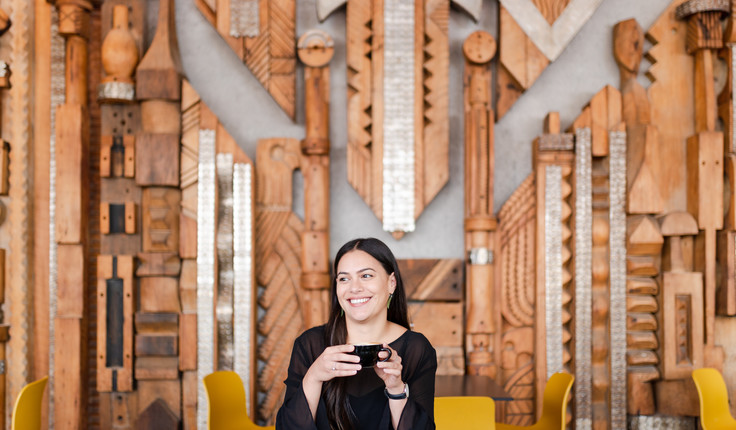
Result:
[
  {"x": 479, "y": 47},
  {"x": 315, "y": 48}
]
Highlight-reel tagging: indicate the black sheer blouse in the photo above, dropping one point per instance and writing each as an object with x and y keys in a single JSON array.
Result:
[{"x": 365, "y": 390}]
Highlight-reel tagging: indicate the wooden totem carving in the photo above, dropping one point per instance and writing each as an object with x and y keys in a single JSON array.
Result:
[
  {"x": 157, "y": 147},
  {"x": 72, "y": 148},
  {"x": 516, "y": 292},
  {"x": 533, "y": 33},
  {"x": 263, "y": 34},
  {"x": 726, "y": 254},
  {"x": 278, "y": 248},
  {"x": 600, "y": 315},
  {"x": 644, "y": 239},
  {"x": 705, "y": 153},
  {"x": 480, "y": 223},
  {"x": 398, "y": 132},
  {"x": 315, "y": 51}
]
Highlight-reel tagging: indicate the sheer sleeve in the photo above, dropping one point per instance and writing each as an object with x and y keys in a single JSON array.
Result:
[
  {"x": 420, "y": 365},
  {"x": 294, "y": 412}
]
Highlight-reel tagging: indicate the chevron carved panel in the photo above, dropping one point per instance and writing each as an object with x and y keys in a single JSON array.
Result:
[
  {"x": 263, "y": 34},
  {"x": 533, "y": 33}
]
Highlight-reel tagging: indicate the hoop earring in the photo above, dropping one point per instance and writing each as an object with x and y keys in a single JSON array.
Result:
[
  {"x": 388, "y": 304},
  {"x": 342, "y": 312}
]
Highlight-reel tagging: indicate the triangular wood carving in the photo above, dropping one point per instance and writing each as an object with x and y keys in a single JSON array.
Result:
[{"x": 533, "y": 33}]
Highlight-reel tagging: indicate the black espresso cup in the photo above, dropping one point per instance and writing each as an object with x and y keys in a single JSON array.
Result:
[{"x": 368, "y": 353}]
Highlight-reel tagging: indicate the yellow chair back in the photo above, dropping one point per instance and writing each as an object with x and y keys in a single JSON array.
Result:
[
  {"x": 467, "y": 413},
  {"x": 554, "y": 405},
  {"x": 27, "y": 408},
  {"x": 714, "y": 412},
  {"x": 226, "y": 397}
]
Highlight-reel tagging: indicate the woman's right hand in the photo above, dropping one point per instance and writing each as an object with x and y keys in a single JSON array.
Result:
[{"x": 333, "y": 362}]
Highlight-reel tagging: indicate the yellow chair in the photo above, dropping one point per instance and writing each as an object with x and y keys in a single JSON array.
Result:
[
  {"x": 554, "y": 405},
  {"x": 467, "y": 413},
  {"x": 226, "y": 397},
  {"x": 714, "y": 413},
  {"x": 27, "y": 409}
]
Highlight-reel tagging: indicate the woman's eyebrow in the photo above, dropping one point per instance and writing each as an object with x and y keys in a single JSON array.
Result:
[{"x": 359, "y": 271}]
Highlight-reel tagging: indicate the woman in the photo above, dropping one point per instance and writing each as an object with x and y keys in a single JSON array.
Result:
[{"x": 326, "y": 388}]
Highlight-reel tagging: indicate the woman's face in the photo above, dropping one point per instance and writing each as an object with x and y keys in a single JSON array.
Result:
[{"x": 363, "y": 286}]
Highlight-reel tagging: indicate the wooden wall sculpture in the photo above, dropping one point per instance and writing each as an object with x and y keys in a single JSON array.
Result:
[
  {"x": 263, "y": 34},
  {"x": 533, "y": 33},
  {"x": 480, "y": 223},
  {"x": 398, "y": 126}
]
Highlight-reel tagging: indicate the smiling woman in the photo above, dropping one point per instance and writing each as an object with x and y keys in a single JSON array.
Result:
[{"x": 327, "y": 387}]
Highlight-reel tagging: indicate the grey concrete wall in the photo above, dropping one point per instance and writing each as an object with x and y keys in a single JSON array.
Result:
[{"x": 249, "y": 113}]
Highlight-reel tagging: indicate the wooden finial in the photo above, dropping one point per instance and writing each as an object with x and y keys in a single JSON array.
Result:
[
  {"x": 119, "y": 58},
  {"x": 159, "y": 73}
]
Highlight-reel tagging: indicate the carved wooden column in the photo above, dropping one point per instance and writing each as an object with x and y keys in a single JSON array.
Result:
[
  {"x": 72, "y": 141},
  {"x": 726, "y": 300},
  {"x": 120, "y": 221},
  {"x": 157, "y": 152},
  {"x": 644, "y": 240},
  {"x": 553, "y": 166},
  {"x": 480, "y": 222},
  {"x": 315, "y": 49},
  {"x": 705, "y": 152}
]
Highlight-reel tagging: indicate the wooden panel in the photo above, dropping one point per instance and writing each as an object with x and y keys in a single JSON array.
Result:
[
  {"x": 159, "y": 294},
  {"x": 189, "y": 386},
  {"x": 677, "y": 398},
  {"x": 158, "y": 74},
  {"x": 168, "y": 391},
  {"x": 157, "y": 159},
  {"x": 160, "y": 219},
  {"x": 156, "y": 368},
  {"x": 71, "y": 281},
  {"x": 441, "y": 323},
  {"x": 433, "y": 280},
  {"x": 157, "y": 416},
  {"x": 72, "y": 140},
  {"x": 146, "y": 322},
  {"x": 726, "y": 300},
  {"x": 158, "y": 264},
  {"x": 682, "y": 304},
  {"x": 188, "y": 286},
  {"x": 158, "y": 344},
  {"x": 705, "y": 179},
  {"x": 188, "y": 342},
  {"x": 68, "y": 373},
  {"x": 115, "y": 300}
]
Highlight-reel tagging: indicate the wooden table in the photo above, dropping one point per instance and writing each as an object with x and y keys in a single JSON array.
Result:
[{"x": 469, "y": 385}]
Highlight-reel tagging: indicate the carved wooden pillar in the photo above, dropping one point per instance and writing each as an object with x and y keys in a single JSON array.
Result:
[
  {"x": 705, "y": 153},
  {"x": 553, "y": 166},
  {"x": 315, "y": 49},
  {"x": 726, "y": 300},
  {"x": 157, "y": 152},
  {"x": 72, "y": 142},
  {"x": 644, "y": 240},
  {"x": 480, "y": 222}
]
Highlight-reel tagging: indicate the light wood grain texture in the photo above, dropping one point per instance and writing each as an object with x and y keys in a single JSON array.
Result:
[
  {"x": 188, "y": 341},
  {"x": 278, "y": 235},
  {"x": 72, "y": 141},
  {"x": 480, "y": 224},
  {"x": 157, "y": 159},
  {"x": 515, "y": 287},
  {"x": 158, "y": 264},
  {"x": 158, "y": 74},
  {"x": 160, "y": 218},
  {"x": 682, "y": 329},
  {"x": 189, "y": 385},
  {"x": 159, "y": 294},
  {"x": 433, "y": 280},
  {"x": 69, "y": 365},
  {"x": 163, "y": 396},
  {"x": 669, "y": 88},
  {"x": 315, "y": 50}
]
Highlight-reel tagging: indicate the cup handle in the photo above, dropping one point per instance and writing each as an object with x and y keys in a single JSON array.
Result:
[{"x": 389, "y": 354}]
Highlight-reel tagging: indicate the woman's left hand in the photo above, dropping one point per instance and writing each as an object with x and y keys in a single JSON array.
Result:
[{"x": 390, "y": 370}]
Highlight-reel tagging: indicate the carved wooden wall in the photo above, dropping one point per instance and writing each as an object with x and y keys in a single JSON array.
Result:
[{"x": 142, "y": 249}]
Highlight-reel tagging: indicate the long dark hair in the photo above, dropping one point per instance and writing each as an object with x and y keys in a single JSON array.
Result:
[{"x": 339, "y": 412}]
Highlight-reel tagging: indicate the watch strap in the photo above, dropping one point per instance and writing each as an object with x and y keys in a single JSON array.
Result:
[{"x": 403, "y": 395}]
